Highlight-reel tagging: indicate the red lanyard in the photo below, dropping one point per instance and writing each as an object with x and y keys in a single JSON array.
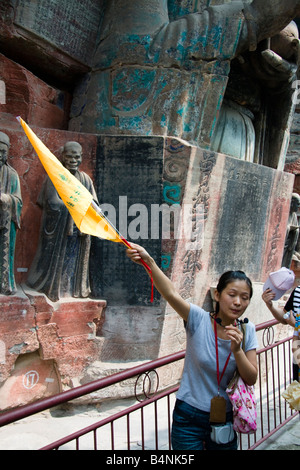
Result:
[{"x": 217, "y": 358}]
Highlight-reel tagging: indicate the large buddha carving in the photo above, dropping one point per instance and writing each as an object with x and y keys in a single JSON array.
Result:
[{"x": 162, "y": 67}]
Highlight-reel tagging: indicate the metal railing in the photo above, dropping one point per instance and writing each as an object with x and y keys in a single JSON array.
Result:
[
  {"x": 274, "y": 375},
  {"x": 147, "y": 423}
]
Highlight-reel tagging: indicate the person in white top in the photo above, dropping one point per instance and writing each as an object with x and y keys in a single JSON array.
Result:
[
  {"x": 204, "y": 379},
  {"x": 285, "y": 315}
]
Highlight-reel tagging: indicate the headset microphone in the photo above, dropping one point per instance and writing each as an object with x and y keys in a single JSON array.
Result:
[
  {"x": 244, "y": 321},
  {"x": 219, "y": 321}
]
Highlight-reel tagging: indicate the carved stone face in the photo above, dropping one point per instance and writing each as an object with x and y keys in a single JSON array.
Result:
[
  {"x": 286, "y": 43},
  {"x": 72, "y": 156},
  {"x": 295, "y": 203},
  {"x": 3, "y": 153}
]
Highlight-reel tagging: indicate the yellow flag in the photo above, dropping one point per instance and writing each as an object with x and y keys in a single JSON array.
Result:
[{"x": 78, "y": 200}]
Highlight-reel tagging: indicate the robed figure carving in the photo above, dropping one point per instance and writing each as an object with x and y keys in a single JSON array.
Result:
[
  {"x": 61, "y": 264},
  {"x": 10, "y": 213}
]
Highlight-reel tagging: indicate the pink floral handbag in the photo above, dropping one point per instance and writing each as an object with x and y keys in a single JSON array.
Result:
[
  {"x": 243, "y": 402},
  {"x": 242, "y": 398}
]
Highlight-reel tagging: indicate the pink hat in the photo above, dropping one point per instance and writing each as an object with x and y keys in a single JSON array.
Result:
[{"x": 279, "y": 282}]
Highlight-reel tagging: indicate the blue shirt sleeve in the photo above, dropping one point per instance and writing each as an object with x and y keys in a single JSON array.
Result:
[{"x": 251, "y": 338}]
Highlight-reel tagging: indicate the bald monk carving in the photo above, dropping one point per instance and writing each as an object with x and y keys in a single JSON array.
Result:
[
  {"x": 61, "y": 264},
  {"x": 10, "y": 213}
]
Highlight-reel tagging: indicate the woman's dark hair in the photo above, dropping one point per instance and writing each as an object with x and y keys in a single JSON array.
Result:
[{"x": 230, "y": 276}]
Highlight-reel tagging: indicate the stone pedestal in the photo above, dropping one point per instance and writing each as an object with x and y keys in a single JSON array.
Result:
[{"x": 44, "y": 345}]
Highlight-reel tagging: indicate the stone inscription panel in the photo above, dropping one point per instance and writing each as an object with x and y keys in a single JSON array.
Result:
[
  {"x": 71, "y": 26},
  {"x": 128, "y": 182},
  {"x": 243, "y": 218}
]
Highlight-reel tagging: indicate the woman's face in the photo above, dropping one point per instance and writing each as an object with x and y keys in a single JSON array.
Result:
[{"x": 233, "y": 300}]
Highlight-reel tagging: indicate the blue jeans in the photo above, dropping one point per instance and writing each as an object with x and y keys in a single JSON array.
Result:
[{"x": 191, "y": 429}]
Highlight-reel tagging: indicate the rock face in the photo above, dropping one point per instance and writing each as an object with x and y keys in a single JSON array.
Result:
[
  {"x": 31, "y": 98},
  {"x": 56, "y": 41},
  {"x": 129, "y": 98}
]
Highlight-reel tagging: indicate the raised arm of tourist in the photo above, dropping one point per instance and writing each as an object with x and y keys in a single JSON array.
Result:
[{"x": 277, "y": 312}]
